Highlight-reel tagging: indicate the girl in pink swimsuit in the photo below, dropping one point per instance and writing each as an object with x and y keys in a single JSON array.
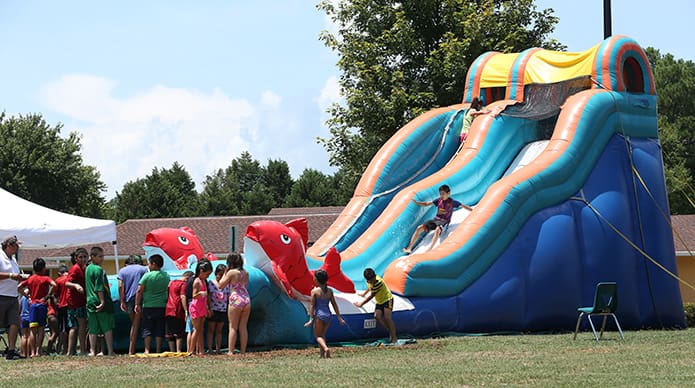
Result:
[
  {"x": 198, "y": 309},
  {"x": 239, "y": 301}
]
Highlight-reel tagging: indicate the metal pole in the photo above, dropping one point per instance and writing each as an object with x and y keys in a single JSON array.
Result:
[
  {"x": 607, "y": 19},
  {"x": 115, "y": 254}
]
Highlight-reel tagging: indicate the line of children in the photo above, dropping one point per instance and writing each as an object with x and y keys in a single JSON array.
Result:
[{"x": 164, "y": 304}]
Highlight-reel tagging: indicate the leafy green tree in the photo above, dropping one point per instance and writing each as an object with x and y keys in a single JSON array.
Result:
[
  {"x": 165, "y": 193},
  {"x": 245, "y": 187},
  {"x": 401, "y": 58},
  {"x": 344, "y": 187},
  {"x": 312, "y": 189},
  {"x": 40, "y": 166},
  {"x": 675, "y": 84},
  {"x": 278, "y": 181},
  {"x": 217, "y": 197}
]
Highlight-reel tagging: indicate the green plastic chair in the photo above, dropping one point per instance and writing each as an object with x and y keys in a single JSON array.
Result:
[{"x": 605, "y": 304}]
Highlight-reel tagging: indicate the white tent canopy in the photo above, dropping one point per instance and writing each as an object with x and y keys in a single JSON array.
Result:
[{"x": 40, "y": 227}]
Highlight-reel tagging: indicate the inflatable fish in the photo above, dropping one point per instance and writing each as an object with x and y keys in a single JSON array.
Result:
[
  {"x": 179, "y": 247},
  {"x": 279, "y": 251}
]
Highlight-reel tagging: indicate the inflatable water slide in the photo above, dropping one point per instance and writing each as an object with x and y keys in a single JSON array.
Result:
[
  {"x": 566, "y": 184},
  {"x": 566, "y": 181}
]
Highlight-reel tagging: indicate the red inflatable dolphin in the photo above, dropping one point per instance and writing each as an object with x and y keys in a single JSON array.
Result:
[
  {"x": 284, "y": 245},
  {"x": 180, "y": 245}
]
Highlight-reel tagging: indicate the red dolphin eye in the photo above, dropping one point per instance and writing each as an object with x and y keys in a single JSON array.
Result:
[
  {"x": 285, "y": 239},
  {"x": 183, "y": 240}
]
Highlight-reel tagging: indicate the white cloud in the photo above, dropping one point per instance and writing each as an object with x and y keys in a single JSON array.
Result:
[
  {"x": 330, "y": 93},
  {"x": 126, "y": 137},
  {"x": 270, "y": 99},
  {"x": 328, "y": 23}
]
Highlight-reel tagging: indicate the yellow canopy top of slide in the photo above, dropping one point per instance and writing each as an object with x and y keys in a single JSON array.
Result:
[{"x": 543, "y": 66}]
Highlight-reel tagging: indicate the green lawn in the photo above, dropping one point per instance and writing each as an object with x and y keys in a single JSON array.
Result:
[{"x": 645, "y": 358}]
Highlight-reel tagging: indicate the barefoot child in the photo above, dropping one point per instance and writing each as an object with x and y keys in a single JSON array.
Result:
[
  {"x": 24, "y": 330},
  {"x": 384, "y": 301},
  {"x": 219, "y": 297},
  {"x": 40, "y": 290},
  {"x": 175, "y": 320},
  {"x": 321, "y": 295},
  {"x": 198, "y": 309},
  {"x": 239, "y": 308},
  {"x": 445, "y": 209},
  {"x": 100, "y": 319}
]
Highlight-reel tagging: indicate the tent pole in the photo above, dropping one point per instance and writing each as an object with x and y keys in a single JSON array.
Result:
[{"x": 115, "y": 254}]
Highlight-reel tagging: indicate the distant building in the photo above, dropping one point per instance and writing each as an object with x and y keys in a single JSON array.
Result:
[{"x": 684, "y": 242}]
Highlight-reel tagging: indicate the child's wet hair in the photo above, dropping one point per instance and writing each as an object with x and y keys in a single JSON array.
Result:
[
  {"x": 220, "y": 269},
  {"x": 321, "y": 276},
  {"x": 96, "y": 251},
  {"x": 39, "y": 265},
  {"x": 203, "y": 265},
  {"x": 445, "y": 188},
  {"x": 157, "y": 260},
  {"x": 369, "y": 274},
  {"x": 476, "y": 104},
  {"x": 235, "y": 261}
]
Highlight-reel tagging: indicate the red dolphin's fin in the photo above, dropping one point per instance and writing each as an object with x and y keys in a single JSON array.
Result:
[
  {"x": 336, "y": 277},
  {"x": 301, "y": 226},
  {"x": 283, "y": 278},
  {"x": 181, "y": 262}
]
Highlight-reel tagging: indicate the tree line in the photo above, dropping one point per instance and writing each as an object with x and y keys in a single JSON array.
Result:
[
  {"x": 245, "y": 187},
  {"x": 397, "y": 59}
]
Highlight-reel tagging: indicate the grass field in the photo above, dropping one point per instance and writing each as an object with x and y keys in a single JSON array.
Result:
[{"x": 645, "y": 358}]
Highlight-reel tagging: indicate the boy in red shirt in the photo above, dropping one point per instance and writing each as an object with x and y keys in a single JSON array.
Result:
[
  {"x": 40, "y": 290},
  {"x": 176, "y": 310},
  {"x": 77, "y": 302}
]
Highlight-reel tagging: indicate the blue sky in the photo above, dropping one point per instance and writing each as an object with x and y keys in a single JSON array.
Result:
[{"x": 147, "y": 83}]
